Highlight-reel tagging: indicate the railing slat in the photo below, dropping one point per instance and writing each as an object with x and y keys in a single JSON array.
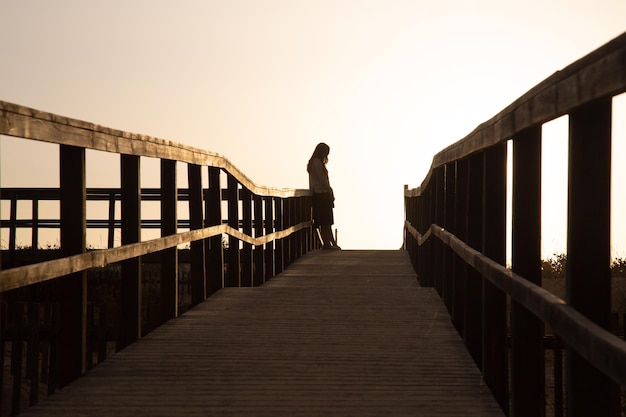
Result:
[
  {"x": 233, "y": 277},
  {"x": 495, "y": 349},
  {"x": 526, "y": 330},
  {"x": 196, "y": 222},
  {"x": 130, "y": 329},
  {"x": 215, "y": 267},
  {"x": 169, "y": 256},
  {"x": 71, "y": 289},
  {"x": 588, "y": 249}
]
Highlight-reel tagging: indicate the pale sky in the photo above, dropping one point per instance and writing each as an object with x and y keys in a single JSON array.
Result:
[{"x": 386, "y": 83}]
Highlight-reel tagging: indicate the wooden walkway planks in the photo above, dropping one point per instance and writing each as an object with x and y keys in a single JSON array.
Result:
[{"x": 338, "y": 333}]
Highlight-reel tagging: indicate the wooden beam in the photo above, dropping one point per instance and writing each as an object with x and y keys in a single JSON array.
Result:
[
  {"x": 215, "y": 261},
  {"x": 494, "y": 311},
  {"x": 196, "y": 222},
  {"x": 130, "y": 329},
  {"x": 527, "y": 354},
  {"x": 28, "y": 123},
  {"x": 589, "y": 392},
  {"x": 71, "y": 289},
  {"x": 169, "y": 256}
]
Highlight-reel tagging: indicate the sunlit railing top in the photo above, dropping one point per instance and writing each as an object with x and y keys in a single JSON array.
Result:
[{"x": 28, "y": 123}]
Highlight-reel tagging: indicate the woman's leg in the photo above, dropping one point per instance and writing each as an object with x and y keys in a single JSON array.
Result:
[{"x": 327, "y": 236}]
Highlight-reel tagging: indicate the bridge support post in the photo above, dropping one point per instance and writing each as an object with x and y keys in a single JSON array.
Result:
[
  {"x": 448, "y": 224},
  {"x": 259, "y": 258},
  {"x": 130, "y": 327},
  {"x": 278, "y": 225},
  {"x": 460, "y": 267},
  {"x": 473, "y": 327},
  {"x": 246, "y": 252},
  {"x": 233, "y": 279},
  {"x": 495, "y": 350},
  {"x": 169, "y": 257},
  {"x": 215, "y": 253},
  {"x": 438, "y": 219},
  {"x": 527, "y": 355},
  {"x": 589, "y": 392},
  {"x": 72, "y": 289},
  {"x": 198, "y": 293},
  {"x": 269, "y": 228}
]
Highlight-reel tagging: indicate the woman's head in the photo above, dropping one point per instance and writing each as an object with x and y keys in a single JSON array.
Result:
[{"x": 321, "y": 152}]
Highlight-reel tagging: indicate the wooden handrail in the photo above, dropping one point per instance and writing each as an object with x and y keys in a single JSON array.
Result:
[
  {"x": 267, "y": 229},
  {"x": 28, "y": 123},
  {"x": 44, "y": 271},
  {"x": 599, "y": 74},
  {"x": 600, "y": 347},
  {"x": 463, "y": 201}
]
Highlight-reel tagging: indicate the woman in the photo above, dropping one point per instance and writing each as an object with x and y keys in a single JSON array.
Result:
[{"x": 323, "y": 196}]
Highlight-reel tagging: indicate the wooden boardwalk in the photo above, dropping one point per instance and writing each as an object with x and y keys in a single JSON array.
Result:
[{"x": 338, "y": 333}]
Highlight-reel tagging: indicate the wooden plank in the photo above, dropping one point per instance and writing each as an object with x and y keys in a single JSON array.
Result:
[
  {"x": 25, "y": 122},
  {"x": 71, "y": 290},
  {"x": 527, "y": 330},
  {"x": 589, "y": 251},
  {"x": 130, "y": 291},
  {"x": 169, "y": 257},
  {"x": 495, "y": 350},
  {"x": 339, "y": 333},
  {"x": 44, "y": 271}
]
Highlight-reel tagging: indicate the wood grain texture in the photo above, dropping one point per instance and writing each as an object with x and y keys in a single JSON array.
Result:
[
  {"x": 338, "y": 333},
  {"x": 28, "y": 123},
  {"x": 44, "y": 271}
]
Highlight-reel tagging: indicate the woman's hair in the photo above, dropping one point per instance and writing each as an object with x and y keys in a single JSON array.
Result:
[{"x": 321, "y": 152}]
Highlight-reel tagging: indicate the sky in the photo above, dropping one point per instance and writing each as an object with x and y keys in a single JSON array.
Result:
[{"x": 386, "y": 83}]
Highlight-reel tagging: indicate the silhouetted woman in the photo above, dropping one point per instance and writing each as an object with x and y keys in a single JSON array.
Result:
[{"x": 323, "y": 196}]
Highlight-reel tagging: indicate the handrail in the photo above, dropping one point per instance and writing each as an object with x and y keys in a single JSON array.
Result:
[
  {"x": 601, "y": 73},
  {"x": 28, "y": 123},
  {"x": 600, "y": 347},
  {"x": 43, "y": 271},
  {"x": 267, "y": 229},
  {"x": 463, "y": 201}
]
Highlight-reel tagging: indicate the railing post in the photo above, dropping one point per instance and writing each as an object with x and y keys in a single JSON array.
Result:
[
  {"x": 198, "y": 292},
  {"x": 448, "y": 224},
  {"x": 169, "y": 257},
  {"x": 419, "y": 225},
  {"x": 246, "y": 253},
  {"x": 71, "y": 289},
  {"x": 473, "y": 329},
  {"x": 130, "y": 328},
  {"x": 279, "y": 243},
  {"x": 495, "y": 350},
  {"x": 259, "y": 258},
  {"x": 287, "y": 241},
  {"x": 293, "y": 239},
  {"x": 213, "y": 204},
  {"x": 527, "y": 355},
  {"x": 589, "y": 392},
  {"x": 232, "y": 280},
  {"x": 35, "y": 226},
  {"x": 426, "y": 253},
  {"x": 439, "y": 212},
  {"x": 460, "y": 267},
  {"x": 416, "y": 205},
  {"x": 269, "y": 228},
  {"x": 111, "y": 228}
]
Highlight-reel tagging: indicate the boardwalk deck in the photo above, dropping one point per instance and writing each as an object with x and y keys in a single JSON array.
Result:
[{"x": 338, "y": 333}]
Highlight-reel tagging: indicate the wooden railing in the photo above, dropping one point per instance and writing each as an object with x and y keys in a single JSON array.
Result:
[
  {"x": 267, "y": 229},
  {"x": 456, "y": 237}
]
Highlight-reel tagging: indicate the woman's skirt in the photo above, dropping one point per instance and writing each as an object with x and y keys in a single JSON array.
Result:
[{"x": 323, "y": 209}]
